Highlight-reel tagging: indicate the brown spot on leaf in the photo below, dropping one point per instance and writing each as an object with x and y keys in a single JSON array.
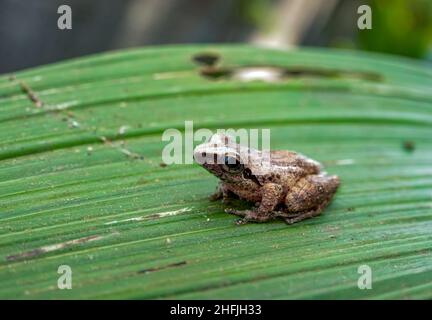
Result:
[
  {"x": 30, "y": 94},
  {"x": 214, "y": 73},
  {"x": 172, "y": 265},
  {"x": 206, "y": 59},
  {"x": 409, "y": 146},
  {"x": 269, "y": 73}
]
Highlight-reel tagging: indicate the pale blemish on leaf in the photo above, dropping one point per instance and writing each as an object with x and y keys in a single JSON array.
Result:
[
  {"x": 151, "y": 216},
  {"x": 53, "y": 247}
]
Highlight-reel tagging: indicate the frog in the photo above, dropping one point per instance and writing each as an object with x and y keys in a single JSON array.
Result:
[{"x": 283, "y": 184}]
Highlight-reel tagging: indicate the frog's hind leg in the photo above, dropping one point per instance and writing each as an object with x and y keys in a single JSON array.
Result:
[
  {"x": 309, "y": 197},
  {"x": 293, "y": 218}
]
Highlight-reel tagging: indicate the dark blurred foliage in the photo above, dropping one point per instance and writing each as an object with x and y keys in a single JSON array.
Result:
[
  {"x": 400, "y": 27},
  {"x": 256, "y": 13},
  {"x": 29, "y": 35}
]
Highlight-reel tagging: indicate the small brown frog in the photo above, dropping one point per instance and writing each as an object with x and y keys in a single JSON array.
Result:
[{"x": 283, "y": 184}]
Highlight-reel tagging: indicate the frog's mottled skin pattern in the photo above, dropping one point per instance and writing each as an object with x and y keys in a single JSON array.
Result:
[{"x": 288, "y": 186}]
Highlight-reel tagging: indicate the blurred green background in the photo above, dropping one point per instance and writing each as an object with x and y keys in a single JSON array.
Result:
[
  {"x": 400, "y": 27},
  {"x": 30, "y": 37}
]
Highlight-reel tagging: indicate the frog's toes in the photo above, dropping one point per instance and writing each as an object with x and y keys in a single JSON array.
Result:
[
  {"x": 250, "y": 216},
  {"x": 242, "y": 221},
  {"x": 290, "y": 220},
  {"x": 241, "y": 213}
]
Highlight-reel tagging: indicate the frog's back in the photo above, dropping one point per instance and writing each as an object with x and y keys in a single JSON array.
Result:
[{"x": 287, "y": 158}]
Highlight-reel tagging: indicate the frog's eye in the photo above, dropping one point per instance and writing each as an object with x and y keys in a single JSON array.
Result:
[{"x": 232, "y": 164}]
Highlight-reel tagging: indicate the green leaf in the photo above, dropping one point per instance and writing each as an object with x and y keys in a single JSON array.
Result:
[{"x": 82, "y": 185}]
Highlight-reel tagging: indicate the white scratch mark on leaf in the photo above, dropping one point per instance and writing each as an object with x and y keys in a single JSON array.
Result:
[
  {"x": 344, "y": 162},
  {"x": 62, "y": 245},
  {"x": 152, "y": 216},
  {"x": 172, "y": 213},
  {"x": 122, "y": 129},
  {"x": 62, "y": 106},
  {"x": 53, "y": 247},
  {"x": 171, "y": 75}
]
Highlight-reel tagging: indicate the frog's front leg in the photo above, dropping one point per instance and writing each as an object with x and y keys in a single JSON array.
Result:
[
  {"x": 221, "y": 193},
  {"x": 272, "y": 194}
]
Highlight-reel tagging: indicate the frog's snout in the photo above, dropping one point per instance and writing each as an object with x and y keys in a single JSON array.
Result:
[{"x": 200, "y": 154}]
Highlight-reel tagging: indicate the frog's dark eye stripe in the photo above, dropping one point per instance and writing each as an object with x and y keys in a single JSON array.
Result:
[
  {"x": 232, "y": 164},
  {"x": 247, "y": 174}
]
